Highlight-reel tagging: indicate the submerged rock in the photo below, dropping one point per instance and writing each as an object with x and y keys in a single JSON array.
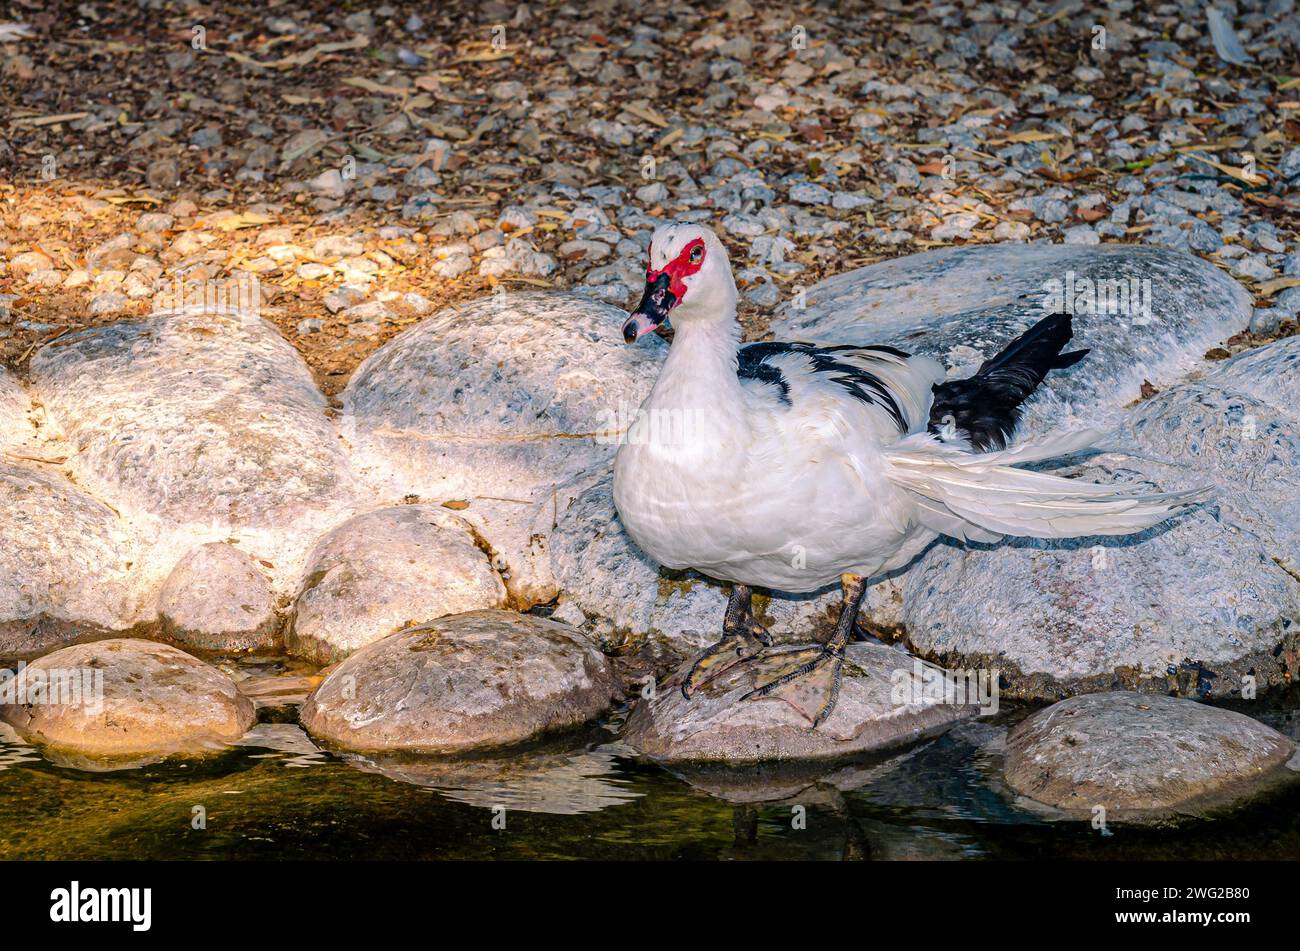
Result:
[
  {"x": 124, "y": 698},
  {"x": 887, "y": 699},
  {"x": 380, "y": 572},
  {"x": 65, "y": 563},
  {"x": 506, "y": 396},
  {"x": 217, "y": 599},
  {"x": 195, "y": 418},
  {"x": 1139, "y": 756},
  {"x": 932, "y": 775},
  {"x": 961, "y": 305},
  {"x": 481, "y": 679}
]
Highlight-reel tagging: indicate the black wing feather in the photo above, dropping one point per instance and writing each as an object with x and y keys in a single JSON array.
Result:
[
  {"x": 985, "y": 408},
  {"x": 859, "y": 383},
  {"x": 751, "y": 366}
]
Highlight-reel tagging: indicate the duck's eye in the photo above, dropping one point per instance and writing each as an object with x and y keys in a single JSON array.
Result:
[{"x": 697, "y": 254}]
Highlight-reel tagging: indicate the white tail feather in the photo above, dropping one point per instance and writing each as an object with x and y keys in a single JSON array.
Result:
[{"x": 971, "y": 495}]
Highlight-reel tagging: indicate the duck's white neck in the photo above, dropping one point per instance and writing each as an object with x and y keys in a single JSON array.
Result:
[
  {"x": 703, "y": 355},
  {"x": 698, "y": 382}
]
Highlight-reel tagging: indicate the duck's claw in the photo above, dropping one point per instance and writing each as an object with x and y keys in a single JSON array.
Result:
[
  {"x": 828, "y": 663},
  {"x": 863, "y": 633},
  {"x": 733, "y": 649}
]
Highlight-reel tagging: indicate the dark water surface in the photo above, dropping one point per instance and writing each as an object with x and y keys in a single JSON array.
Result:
[{"x": 278, "y": 796}]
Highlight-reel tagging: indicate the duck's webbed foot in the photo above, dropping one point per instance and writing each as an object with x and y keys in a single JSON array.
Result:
[
  {"x": 825, "y": 662},
  {"x": 743, "y": 638}
]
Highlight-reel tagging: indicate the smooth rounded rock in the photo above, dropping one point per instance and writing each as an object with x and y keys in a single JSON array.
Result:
[
  {"x": 962, "y": 305},
  {"x": 217, "y": 599},
  {"x": 380, "y": 572},
  {"x": 1137, "y": 755},
  {"x": 887, "y": 699},
  {"x": 517, "y": 535},
  {"x": 125, "y": 698},
  {"x": 1270, "y": 373},
  {"x": 507, "y": 396},
  {"x": 65, "y": 563},
  {"x": 1219, "y": 432},
  {"x": 481, "y": 679},
  {"x": 194, "y": 417},
  {"x": 1186, "y": 607}
]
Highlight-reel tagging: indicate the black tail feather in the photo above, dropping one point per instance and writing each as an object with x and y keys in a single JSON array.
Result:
[{"x": 985, "y": 408}]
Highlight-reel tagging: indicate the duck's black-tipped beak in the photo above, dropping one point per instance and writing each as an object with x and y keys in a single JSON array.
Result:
[{"x": 653, "y": 309}]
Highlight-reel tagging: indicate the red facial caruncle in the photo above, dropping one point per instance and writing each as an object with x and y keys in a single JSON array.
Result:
[{"x": 684, "y": 265}]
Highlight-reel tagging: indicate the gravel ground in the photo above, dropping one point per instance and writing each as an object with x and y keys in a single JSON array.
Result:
[{"x": 365, "y": 165}]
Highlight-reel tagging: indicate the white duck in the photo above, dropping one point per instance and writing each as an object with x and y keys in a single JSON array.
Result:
[{"x": 788, "y": 466}]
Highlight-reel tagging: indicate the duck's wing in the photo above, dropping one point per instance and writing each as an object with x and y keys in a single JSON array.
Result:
[
  {"x": 984, "y": 409},
  {"x": 895, "y": 387},
  {"x": 980, "y": 496}
]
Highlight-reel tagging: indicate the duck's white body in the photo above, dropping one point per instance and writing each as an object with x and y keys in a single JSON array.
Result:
[
  {"x": 813, "y": 463},
  {"x": 722, "y": 475}
]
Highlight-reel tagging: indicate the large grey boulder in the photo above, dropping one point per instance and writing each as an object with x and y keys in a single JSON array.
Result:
[
  {"x": 887, "y": 698},
  {"x": 207, "y": 418},
  {"x": 1270, "y": 373},
  {"x": 1190, "y": 608},
  {"x": 217, "y": 598},
  {"x": 961, "y": 305},
  {"x": 195, "y": 427},
  {"x": 481, "y": 679},
  {"x": 124, "y": 698},
  {"x": 1204, "y": 605},
  {"x": 1255, "y": 450},
  {"x": 519, "y": 534},
  {"x": 495, "y": 404},
  {"x": 385, "y": 570},
  {"x": 65, "y": 563},
  {"x": 1140, "y": 757},
  {"x": 1215, "y": 431},
  {"x": 507, "y": 396}
]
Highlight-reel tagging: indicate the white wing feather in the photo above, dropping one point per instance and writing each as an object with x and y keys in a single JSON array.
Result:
[{"x": 984, "y": 490}]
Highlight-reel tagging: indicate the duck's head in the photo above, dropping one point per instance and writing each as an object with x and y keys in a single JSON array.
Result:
[{"x": 688, "y": 275}]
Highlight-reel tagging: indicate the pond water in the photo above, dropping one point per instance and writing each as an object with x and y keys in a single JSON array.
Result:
[{"x": 276, "y": 795}]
